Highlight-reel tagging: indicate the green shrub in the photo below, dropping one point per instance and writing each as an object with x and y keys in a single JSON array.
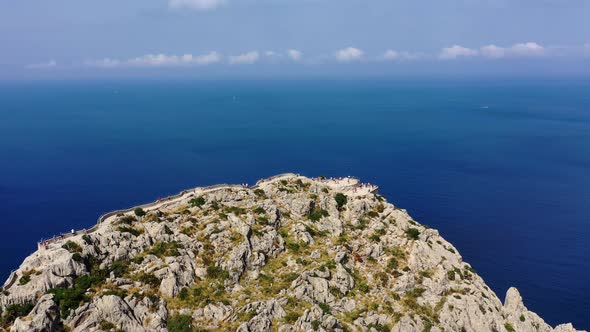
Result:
[
  {"x": 130, "y": 230},
  {"x": 216, "y": 272},
  {"x": 375, "y": 237},
  {"x": 119, "y": 268},
  {"x": 336, "y": 292},
  {"x": 139, "y": 212},
  {"x": 165, "y": 249},
  {"x": 148, "y": 279},
  {"x": 392, "y": 264},
  {"x": 415, "y": 292},
  {"x": 363, "y": 287},
  {"x": 290, "y": 277},
  {"x": 314, "y": 232},
  {"x": 69, "y": 299},
  {"x": 373, "y": 214},
  {"x": 325, "y": 308},
  {"x": 293, "y": 246},
  {"x": 362, "y": 224},
  {"x": 379, "y": 327},
  {"x": 13, "y": 311},
  {"x": 183, "y": 294},
  {"x": 72, "y": 247},
  {"x": 522, "y": 319},
  {"x": 126, "y": 220},
  {"x": 413, "y": 233},
  {"x": 315, "y": 325},
  {"x": 318, "y": 213},
  {"x": 26, "y": 277},
  {"x": 198, "y": 202},
  {"x": 86, "y": 239},
  {"x": 509, "y": 327},
  {"x": 341, "y": 200},
  {"x": 180, "y": 323},
  {"x": 382, "y": 277},
  {"x": 106, "y": 325},
  {"x": 451, "y": 275},
  {"x": 236, "y": 210},
  {"x": 262, "y": 220},
  {"x": 259, "y": 193},
  {"x": 330, "y": 265},
  {"x": 117, "y": 292},
  {"x": 291, "y": 317}
]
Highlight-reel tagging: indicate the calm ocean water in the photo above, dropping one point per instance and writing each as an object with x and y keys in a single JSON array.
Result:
[{"x": 500, "y": 167}]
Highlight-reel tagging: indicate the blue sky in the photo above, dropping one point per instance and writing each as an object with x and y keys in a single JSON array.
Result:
[{"x": 75, "y": 38}]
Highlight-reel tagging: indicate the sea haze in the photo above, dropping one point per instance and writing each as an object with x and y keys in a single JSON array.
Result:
[{"x": 500, "y": 167}]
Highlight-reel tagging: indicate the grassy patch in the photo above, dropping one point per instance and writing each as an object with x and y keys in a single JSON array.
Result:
[
  {"x": 164, "y": 249},
  {"x": 180, "y": 323},
  {"x": 317, "y": 213},
  {"x": 216, "y": 272}
]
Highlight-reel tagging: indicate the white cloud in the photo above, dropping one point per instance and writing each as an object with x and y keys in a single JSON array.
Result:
[
  {"x": 349, "y": 54},
  {"x": 520, "y": 49},
  {"x": 493, "y": 51},
  {"x": 244, "y": 59},
  {"x": 456, "y": 51},
  {"x": 527, "y": 49},
  {"x": 208, "y": 59},
  {"x": 195, "y": 4},
  {"x": 158, "y": 60},
  {"x": 103, "y": 63},
  {"x": 391, "y": 55},
  {"x": 294, "y": 55},
  {"x": 45, "y": 65}
]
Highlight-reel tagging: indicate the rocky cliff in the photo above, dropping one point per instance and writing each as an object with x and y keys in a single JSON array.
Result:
[{"x": 291, "y": 254}]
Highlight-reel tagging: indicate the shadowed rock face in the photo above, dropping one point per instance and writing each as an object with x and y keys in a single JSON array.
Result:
[{"x": 291, "y": 254}]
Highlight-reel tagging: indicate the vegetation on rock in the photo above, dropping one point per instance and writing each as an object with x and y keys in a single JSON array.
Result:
[{"x": 292, "y": 254}]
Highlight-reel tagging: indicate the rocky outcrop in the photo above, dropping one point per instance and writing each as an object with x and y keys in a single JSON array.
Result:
[
  {"x": 43, "y": 317},
  {"x": 291, "y": 254}
]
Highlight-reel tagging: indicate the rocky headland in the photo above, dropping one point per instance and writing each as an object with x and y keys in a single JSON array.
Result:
[{"x": 290, "y": 254}]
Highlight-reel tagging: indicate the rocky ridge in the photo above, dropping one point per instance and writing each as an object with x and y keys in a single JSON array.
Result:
[{"x": 291, "y": 254}]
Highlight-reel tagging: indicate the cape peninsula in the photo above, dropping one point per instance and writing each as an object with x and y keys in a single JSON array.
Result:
[{"x": 289, "y": 254}]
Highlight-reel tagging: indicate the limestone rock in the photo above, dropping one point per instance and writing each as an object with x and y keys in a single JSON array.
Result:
[
  {"x": 43, "y": 317},
  {"x": 280, "y": 256}
]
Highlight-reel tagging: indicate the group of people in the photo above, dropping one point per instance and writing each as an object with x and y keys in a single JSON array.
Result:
[
  {"x": 46, "y": 243},
  {"x": 348, "y": 178}
]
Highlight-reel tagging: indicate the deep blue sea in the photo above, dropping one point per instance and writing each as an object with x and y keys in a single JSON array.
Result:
[{"x": 501, "y": 167}]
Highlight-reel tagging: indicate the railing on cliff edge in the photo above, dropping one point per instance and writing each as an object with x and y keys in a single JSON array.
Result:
[{"x": 102, "y": 218}]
